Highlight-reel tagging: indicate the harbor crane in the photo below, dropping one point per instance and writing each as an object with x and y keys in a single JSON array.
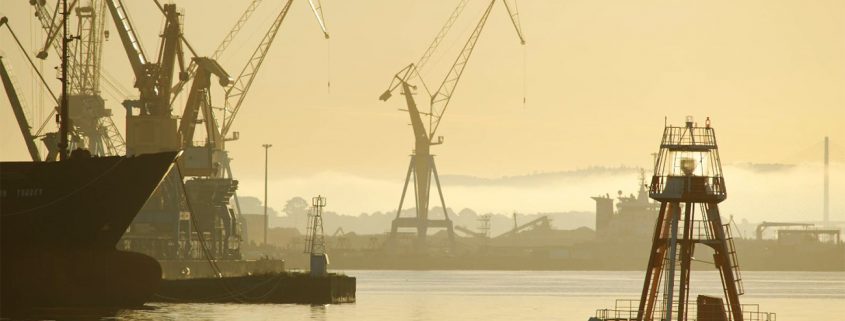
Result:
[
  {"x": 210, "y": 184},
  {"x": 150, "y": 127},
  {"x": 212, "y": 158},
  {"x": 209, "y": 162},
  {"x": 422, "y": 167},
  {"x": 92, "y": 127}
]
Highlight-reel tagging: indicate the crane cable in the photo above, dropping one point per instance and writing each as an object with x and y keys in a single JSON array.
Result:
[
  {"x": 524, "y": 72},
  {"x": 524, "y": 61},
  {"x": 329, "y": 65}
]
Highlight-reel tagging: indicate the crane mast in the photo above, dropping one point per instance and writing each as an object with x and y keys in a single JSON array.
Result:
[
  {"x": 171, "y": 47},
  {"x": 199, "y": 100}
]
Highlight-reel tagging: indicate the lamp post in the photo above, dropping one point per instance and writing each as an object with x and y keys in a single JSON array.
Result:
[{"x": 266, "y": 218}]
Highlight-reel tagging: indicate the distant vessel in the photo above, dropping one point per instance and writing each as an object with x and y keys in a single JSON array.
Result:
[{"x": 60, "y": 223}]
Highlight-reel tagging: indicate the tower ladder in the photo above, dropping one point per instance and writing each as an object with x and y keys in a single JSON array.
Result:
[{"x": 734, "y": 262}]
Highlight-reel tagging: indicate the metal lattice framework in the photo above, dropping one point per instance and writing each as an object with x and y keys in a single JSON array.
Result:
[
  {"x": 192, "y": 67},
  {"x": 315, "y": 238},
  {"x": 92, "y": 121}
]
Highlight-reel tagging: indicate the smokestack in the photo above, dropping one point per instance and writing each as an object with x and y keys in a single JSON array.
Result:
[{"x": 826, "y": 181}]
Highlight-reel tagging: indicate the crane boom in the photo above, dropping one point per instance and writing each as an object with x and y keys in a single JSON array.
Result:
[
  {"x": 131, "y": 44},
  {"x": 237, "y": 92},
  {"x": 441, "y": 34},
  {"x": 18, "y": 110},
  {"x": 244, "y": 80},
  {"x": 171, "y": 48},
  {"x": 441, "y": 98},
  {"x": 192, "y": 67},
  {"x": 318, "y": 13},
  {"x": 51, "y": 25},
  {"x": 413, "y": 69},
  {"x": 5, "y": 21},
  {"x": 513, "y": 12}
]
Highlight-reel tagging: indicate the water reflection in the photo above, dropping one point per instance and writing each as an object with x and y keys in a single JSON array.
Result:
[
  {"x": 496, "y": 296},
  {"x": 318, "y": 312}
]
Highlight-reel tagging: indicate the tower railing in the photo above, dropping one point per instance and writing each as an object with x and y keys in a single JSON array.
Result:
[
  {"x": 713, "y": 186},
  {"x": 693, "y": 138}
]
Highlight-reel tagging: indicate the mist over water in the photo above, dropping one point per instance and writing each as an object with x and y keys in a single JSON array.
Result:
[{"x": 755, "y": 192}]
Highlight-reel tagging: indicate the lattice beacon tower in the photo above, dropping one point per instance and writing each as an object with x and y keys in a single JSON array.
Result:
[
  {"x": 688, "y": 175},
  {"x": 689, "y": 185}
]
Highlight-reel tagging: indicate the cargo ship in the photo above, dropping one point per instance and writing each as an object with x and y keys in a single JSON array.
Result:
[{"x": 61, "y": 222}]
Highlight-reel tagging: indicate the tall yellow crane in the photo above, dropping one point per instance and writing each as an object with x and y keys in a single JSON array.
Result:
[{"x": 422, "y": 167}]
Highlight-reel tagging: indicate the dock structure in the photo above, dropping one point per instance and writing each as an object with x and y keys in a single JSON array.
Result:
[
  {"x": 689, "y": 184},
  {"x": 287, "y": 287}
]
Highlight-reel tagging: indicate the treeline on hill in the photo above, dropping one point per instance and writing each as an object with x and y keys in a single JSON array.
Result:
[{"x": 295, "y": 213}]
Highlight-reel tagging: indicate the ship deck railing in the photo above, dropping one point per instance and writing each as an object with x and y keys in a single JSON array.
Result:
[{"x": 626, "y": 310}]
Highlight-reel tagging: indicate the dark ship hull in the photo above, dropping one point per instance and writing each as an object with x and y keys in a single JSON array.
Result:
[{"x": 60, "y": 223}]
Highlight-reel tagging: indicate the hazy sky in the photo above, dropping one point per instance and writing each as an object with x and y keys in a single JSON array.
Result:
[{"x": 599, "y": 78}]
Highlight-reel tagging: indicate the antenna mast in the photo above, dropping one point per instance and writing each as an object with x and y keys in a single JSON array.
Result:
[{"x": 64, "y": 118}]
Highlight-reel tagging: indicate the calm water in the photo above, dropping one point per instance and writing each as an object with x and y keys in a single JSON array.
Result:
[{"x": 518, "y": 295}]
